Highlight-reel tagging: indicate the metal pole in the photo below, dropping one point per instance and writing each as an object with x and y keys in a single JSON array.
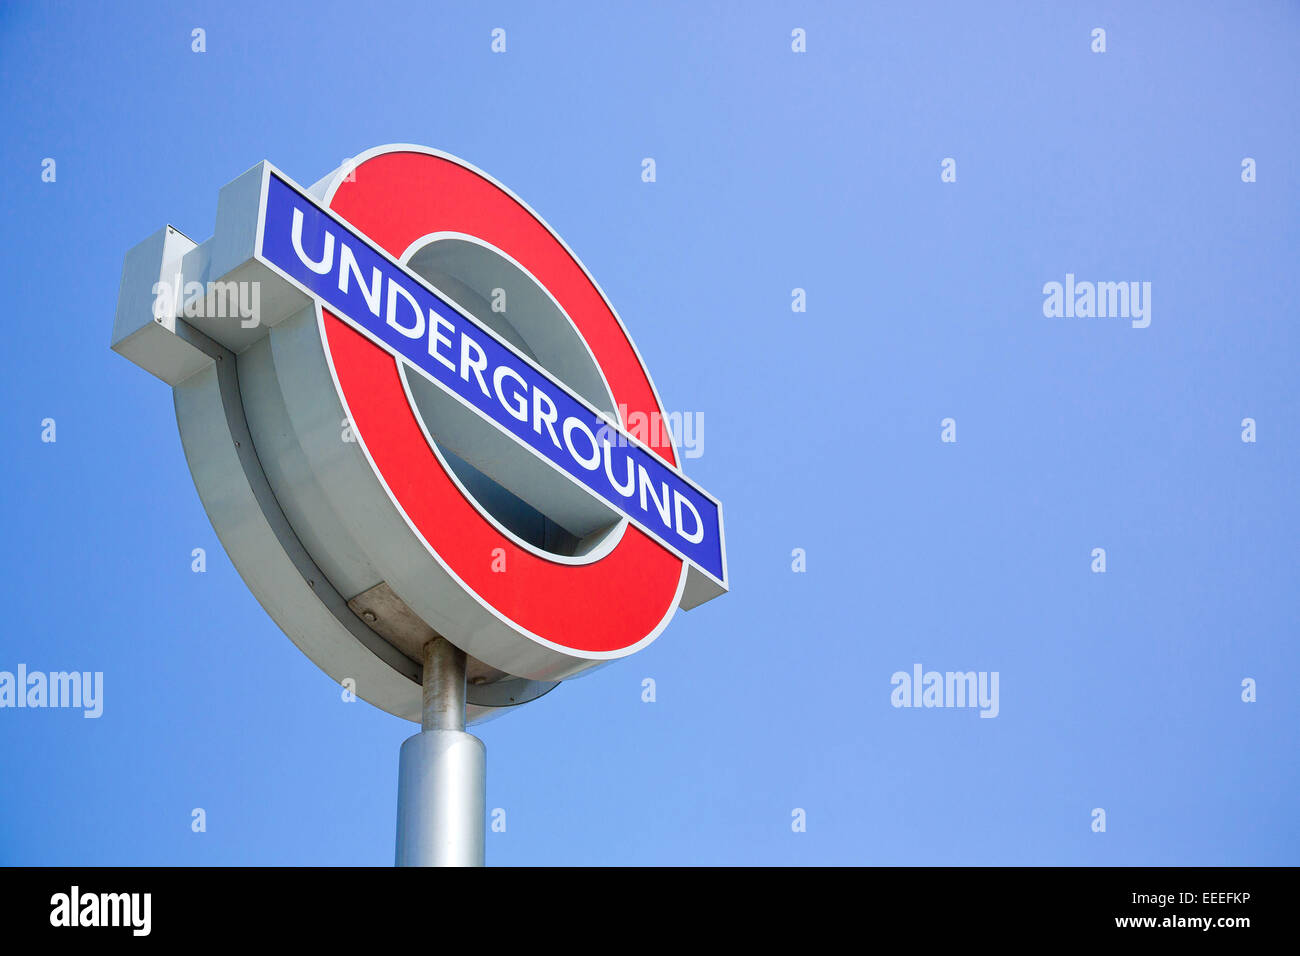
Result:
[{"x": 441, "y": 778}]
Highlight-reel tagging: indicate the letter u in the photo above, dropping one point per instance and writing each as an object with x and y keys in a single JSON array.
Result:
[
  {"x": 609, "y": 472},
  {"x": 327, "y": 257}
]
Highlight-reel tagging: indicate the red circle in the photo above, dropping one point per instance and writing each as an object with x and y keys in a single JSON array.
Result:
[{"x": 607, "y": 605}]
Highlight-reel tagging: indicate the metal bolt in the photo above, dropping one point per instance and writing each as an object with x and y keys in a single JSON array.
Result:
[{"x": 369, "y": 617}]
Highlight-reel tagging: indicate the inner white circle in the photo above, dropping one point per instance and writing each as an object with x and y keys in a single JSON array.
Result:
[{"x": 559, "y": 521}]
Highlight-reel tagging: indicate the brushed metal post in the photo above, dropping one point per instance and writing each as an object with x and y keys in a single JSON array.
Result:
[{"x": 442, "y": 772}]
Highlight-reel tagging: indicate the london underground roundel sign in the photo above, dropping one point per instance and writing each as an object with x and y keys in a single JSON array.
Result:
[{"x": 434, "y": 397}]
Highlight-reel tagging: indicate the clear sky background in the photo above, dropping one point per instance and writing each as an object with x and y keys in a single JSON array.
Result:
[{"x": 776, "y": 170}]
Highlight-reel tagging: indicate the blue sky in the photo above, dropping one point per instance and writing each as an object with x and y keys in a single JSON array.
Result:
[{"x": 775, "y": 171}]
